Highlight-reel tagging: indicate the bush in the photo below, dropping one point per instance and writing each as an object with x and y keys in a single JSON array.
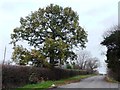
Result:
[
  {"x": 33, "y": 78},
  {"x": 17, "y": 76},
  {"x": 114, "y": 74},
  {"x": 68, "y": 66}
]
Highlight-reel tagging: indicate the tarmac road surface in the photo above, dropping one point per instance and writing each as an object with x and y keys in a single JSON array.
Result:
[{"x": 92, "y": 82}]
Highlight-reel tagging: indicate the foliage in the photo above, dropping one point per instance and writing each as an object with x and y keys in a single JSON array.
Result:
[
  {"x": 75, "y": 66},
  {"x": 22, "y": 56},
  {"x": 68, "y": 66},
  {"x": 33, "y": 78},
  {"x": 54, "y": 27},
  {"x": 112, "y": 42},
  {"x": 16, "y": 76},
  {"x": 37, "y": 58}
]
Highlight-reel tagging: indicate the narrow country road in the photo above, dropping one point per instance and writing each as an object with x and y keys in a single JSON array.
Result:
[{"x": 91, "y": 82}]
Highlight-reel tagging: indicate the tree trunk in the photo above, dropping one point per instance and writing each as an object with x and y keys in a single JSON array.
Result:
[{"x": 52, "y": 61}]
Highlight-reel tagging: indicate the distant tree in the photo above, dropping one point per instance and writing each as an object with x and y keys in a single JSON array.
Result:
[
  {"x": 75, "y": 66},
  {"x": 92, "y": 64},
  {"x": 85, "y": 61},
  {"x": 82, "y": 59},
  {"x": 54, "y": 27},
  {"x": 112, "y": 42}
]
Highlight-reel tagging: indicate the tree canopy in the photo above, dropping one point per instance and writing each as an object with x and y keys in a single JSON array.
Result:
[
  {"x": 22, "y": 56},
  {"x": 54, "y": 27},
  {"x": 112, "y": 42}
]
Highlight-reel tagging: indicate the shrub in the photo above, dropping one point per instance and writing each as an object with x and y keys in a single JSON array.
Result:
[
  {"x": 17, "y": 76},
  {"x": 68, "y": 66},
  {"x": 33, "y": 79}
]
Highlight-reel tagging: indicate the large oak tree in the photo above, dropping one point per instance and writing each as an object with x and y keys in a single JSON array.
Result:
[{"x": 56, "y": 28}]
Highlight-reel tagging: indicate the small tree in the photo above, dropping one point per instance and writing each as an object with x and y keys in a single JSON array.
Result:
[{"x": 22, "y": 56}]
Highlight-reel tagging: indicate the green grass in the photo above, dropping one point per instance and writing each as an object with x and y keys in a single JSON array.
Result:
[
  {"x": 47, "y": 84},
  {"x": 39, "y": 86}
]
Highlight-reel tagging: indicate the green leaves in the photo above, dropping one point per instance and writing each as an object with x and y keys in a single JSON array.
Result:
[
  {"x": 112, "y": 42},
  {"x": 20, "y": 55},
  {"x": 55, "y": 27}
]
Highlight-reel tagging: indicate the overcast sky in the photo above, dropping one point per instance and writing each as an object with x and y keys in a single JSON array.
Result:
[{"x": 95, "y": 16}]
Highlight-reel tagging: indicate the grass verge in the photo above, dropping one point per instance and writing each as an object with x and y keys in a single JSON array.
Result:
[
  {"x": 48, "y": 84},
  {"x": 111, "y": 80}
]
